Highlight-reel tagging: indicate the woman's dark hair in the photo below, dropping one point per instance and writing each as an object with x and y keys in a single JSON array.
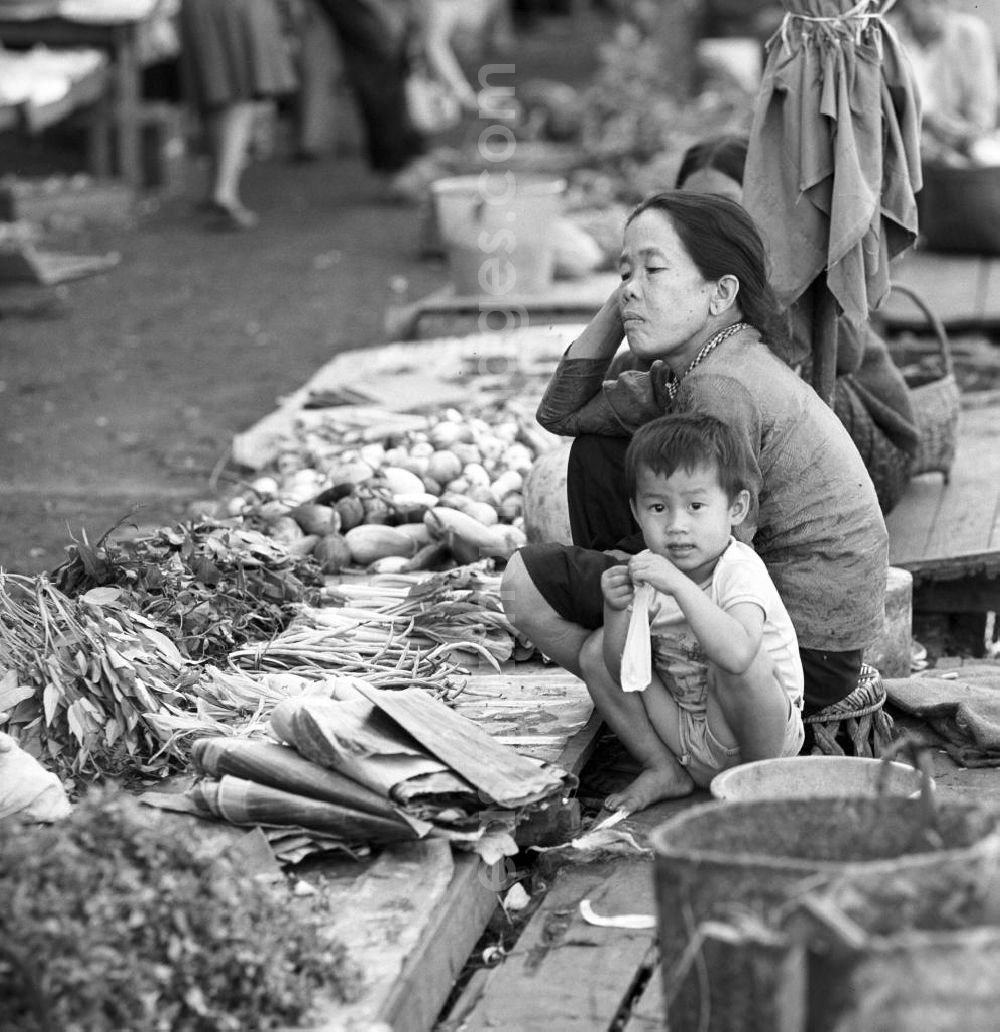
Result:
[
  {"x": 722, "y": 240},
  {"x": 726, "y": 154},
  {"x": 687, "y": 441}
]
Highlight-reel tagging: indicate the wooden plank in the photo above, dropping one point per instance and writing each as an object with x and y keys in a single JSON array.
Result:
[
  {"x": 573, "y": 299},
  {"x": 409, "y": 922},
  {"x": 968, "y": 593},
  {"x": 912, "y": 520},
  {"x": 944, "y": 531},
  {"x": 429, "y": 973},
  {"x": 564, "y": 973},
  {"x": 386, "y": 915}
]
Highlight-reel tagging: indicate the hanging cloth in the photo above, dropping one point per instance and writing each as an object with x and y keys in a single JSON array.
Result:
[{"x": 834, "y": 160}]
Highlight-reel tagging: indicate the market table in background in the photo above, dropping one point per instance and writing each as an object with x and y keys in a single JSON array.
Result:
[
  {"x": 120, "y": 112},
  {"x": 963, "y": 290}
]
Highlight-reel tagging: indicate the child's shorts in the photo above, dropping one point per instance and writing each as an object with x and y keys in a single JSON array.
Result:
[{"x": 703, "y": 755}]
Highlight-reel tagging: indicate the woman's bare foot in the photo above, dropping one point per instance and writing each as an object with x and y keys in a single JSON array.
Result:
[{"x": 651, "y": 786}]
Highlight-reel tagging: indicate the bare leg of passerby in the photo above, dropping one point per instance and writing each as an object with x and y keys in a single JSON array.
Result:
[{"x": 231, "y": 129}]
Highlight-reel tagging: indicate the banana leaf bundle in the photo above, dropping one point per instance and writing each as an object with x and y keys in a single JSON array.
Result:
[
  {"x": 372, "y": 766},
  {"x": 239, "y": 801},
  {"x": 352, "y": 737},
  {"x": 279, "y": 768},
  {"x": 417, "y": 751}
]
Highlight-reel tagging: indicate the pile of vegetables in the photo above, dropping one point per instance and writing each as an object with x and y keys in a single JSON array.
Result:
[
  {"x": 212, "y": 585},
  {"x": 393, "y": 503},
  {"x": 112, "y": 920},
  {"x": 83, "y": 678},
  {"x": 397, "y": 631}
]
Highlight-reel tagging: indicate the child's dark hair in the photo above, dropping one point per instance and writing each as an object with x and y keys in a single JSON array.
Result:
[{"x": 686, "y": 441}]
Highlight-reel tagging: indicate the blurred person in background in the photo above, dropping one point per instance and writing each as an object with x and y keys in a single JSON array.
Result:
[
  {"x": 380, "y": 42},
  {"x": 233, "y": 55},
  {"x": 954, "y": 62}
]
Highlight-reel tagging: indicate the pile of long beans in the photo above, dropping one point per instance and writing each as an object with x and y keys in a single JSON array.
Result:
[{"x": 396, "y": 631}]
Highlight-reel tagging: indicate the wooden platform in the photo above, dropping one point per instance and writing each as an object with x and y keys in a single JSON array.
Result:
[
  {"x": 948, "y": 535},
  {"x": 963, "y": 290},
  {"x": 444, "y": 312},
  {"x": 382, "y": 385}
]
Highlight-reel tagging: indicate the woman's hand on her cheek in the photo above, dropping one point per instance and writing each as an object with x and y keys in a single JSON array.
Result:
[{"x": 616, "y": 586}]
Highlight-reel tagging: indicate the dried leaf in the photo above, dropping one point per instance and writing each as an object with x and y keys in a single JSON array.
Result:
[
  {"x": 11, "y": 693},
  {"x": 101, "y": 596},
  {"x": 51, "y": 698}
]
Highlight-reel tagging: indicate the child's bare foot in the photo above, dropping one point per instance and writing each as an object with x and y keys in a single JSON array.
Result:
[{"x": 651, "y": 786}]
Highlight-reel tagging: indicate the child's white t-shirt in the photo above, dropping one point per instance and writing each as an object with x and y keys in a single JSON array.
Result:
[{"x": 739, "y": 576}]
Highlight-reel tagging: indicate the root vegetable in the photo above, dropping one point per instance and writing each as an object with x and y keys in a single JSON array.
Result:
[
  {"x": 482, "y": 512},
  {"x": 444, "y": 465},
  {"x": 476, "y": 474},
  {"x": 305, "y": 545},
  {"x": 373, "y": 454},
  {"x": 471, "y": 536},
  {"x": 417, "y": 532},
  {"x": 333, "y": 553},
  {"x": 467, "y": 452},
  {"x": 273, "y": 510},
  {"x": 265, "y": 487},
  {"x": 447, "y": 433},
  {"x": 316, "y": 519},
  {"x": 370, "y": 542},
  {"x": 400, "y": 481},
  {"x": 376, "y": 510},
  {"x": 351, "y": 473},
  {"x": 508, "y": 482},
  {"x": 426, "y": 556},
  {"x": 390, "y": 564},
  {"x": 482, "y": 494},
  {"x": 286, "y": 530},
  {"x": 511, "y": 508},
  {"x": 351, "y": 512},
  {"x": 520, "y": 457}
]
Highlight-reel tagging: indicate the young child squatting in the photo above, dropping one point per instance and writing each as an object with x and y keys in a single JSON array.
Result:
[{"x": 725, "y": 678}]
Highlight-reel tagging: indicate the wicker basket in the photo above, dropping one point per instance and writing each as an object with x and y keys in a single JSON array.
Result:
[{"x": 936, "y": 402}]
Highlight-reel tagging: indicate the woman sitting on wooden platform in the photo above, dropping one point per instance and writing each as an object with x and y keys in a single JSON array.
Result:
[{"x": 696, "y": 309}]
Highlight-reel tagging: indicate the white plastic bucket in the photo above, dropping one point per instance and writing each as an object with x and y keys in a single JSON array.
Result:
[{"x": 496, "y": 228}]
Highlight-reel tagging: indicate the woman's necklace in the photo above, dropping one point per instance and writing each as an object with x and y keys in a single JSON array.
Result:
[{"x": 707, "y": 348}]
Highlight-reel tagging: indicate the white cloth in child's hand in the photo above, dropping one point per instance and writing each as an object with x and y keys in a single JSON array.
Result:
[{"x": 637, "y": 661}]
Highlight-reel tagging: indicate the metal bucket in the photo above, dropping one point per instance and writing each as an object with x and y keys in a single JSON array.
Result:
[
  {"x": 804, "y": 777},
  {"x": 725, "y": 872}
]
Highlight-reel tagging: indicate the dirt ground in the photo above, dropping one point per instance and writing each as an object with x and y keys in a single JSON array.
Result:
[{"x": 126, "y": 388}]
